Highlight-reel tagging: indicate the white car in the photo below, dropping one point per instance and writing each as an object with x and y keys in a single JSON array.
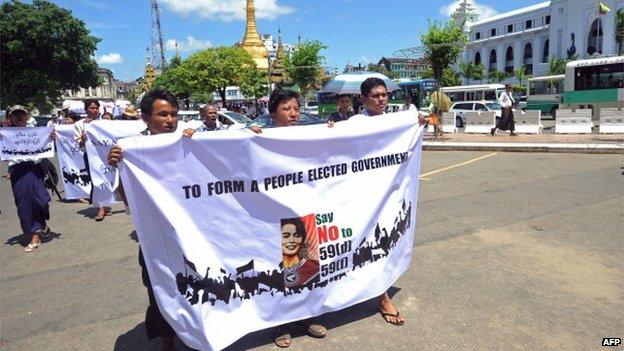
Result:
[
  {"x": 311, "y": 107},
  {"x": 233, "y": 120},
  {"x": 460, "y": 108}
]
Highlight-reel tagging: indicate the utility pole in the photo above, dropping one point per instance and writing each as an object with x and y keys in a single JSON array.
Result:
[{"x": 157, "y": 45}]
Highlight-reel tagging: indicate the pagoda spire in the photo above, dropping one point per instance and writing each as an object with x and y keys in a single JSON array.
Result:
[
  {"x": 252, "y": 42},
  {"x": 277, "y": 66}
]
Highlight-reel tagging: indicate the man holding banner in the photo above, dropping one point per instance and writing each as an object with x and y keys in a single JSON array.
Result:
[{"x": 25, "y": 172}]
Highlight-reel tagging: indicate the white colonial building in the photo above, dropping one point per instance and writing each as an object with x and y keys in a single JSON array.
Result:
[
  {"x": 530, "y": 36},
  {"x": 107, "y": 90}
]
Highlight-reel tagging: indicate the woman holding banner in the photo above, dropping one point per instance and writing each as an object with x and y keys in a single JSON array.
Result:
[{"x": 29, "y": 192}]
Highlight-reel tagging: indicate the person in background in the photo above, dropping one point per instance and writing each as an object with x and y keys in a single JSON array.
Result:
[
  {"x": 344, "y": 109},
  {"x": 408, "y": 106},
  {"x": 209, "y": 121},
  {"x": 506, "y": 121},
  {"x": 92, "y": 107},
  {"x": 107, "y": 115},
  {"x": 53, "y": 120},
  {"x": 29, "y": 192},
  {"x": 130, "y": 113},
  {"x": 159, "y": 110}
]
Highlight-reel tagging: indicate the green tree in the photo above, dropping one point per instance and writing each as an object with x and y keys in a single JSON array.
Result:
[
  {"x": 467, "y": 70},
  {"x": 496, "y": 76},
  {"x": 443, "y": 44},
  {"x": 479, "y": 72},
  {"x": 255, "y": 85},
  {"x": 449, "y": 77},
  {"x": 383, "y": 70},
  {"x": 305, "y": 64},
  {"x": 619, "y": 31},
  {"x": 44, "y": 51},
  {"x": 520, "y": 73},
  {"x": 214, "y": 69},
  {"x": 175, "y": 79},
  {"x": 556, "y": 66}
]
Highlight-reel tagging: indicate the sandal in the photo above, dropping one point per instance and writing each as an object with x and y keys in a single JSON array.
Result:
[
  {"x": 31, "y": 247},
  {"x": 388, "y": 320},
  {"x": 316, "y": 330},
  {"x": 284, "y": 340}
]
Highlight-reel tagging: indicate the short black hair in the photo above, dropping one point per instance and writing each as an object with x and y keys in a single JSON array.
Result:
[
  {"x": 343, "y": 95},
  {"x": 88, "y": 103},
  {"x": 299, "y": 226},
  {"x": 370, "y": 83},
  {"x": 74, "y": 116},
  {"x": 279, "y": 96},
  {"x": 157, "y": 94}
]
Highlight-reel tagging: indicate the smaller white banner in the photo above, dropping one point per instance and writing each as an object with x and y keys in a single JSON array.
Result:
[
  {"x": 76, "y": 179},
  {"x": 101, "y": 136},
  {"x": 20, "y": 143}
]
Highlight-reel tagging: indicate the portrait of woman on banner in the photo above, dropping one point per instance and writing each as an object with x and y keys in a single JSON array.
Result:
[{"x": 300, "y": 265}]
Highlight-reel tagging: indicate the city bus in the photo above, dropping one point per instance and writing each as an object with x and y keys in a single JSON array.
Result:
[
  {"x": 419, "y": 90},
  {"x": 544, "y": 94},
  {"x": 481, "y": 92},
  {"x": 594, "y": 83}
]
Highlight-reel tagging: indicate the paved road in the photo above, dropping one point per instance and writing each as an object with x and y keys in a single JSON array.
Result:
[{"x": 514, "y": 251}]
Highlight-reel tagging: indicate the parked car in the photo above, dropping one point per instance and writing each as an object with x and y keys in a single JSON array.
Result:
[
  {"x": 233, "y": 120},
  {"x": 310, "y": 107},
  {"x": 460, "y": 109},
  {"x": 185, "y": 116},
  {"x": 265, "y": 121}
]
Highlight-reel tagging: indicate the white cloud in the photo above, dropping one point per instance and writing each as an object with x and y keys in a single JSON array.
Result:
[
  {"x": 191, "y": 44},
  {"x": 110, "y": 59},
  {"x": 233, "y": 10},
  {"x": 484, "y": 11}
]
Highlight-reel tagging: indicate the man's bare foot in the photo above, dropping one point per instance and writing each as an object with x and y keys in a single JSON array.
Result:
[
  {"x": 389, "y": 312},
  {"x": 83, "y": 201}
]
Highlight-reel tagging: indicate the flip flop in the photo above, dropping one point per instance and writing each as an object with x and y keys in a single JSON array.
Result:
[
  {"x": 316, "y": 331},
  {"x": 32, "y": 247},
  {"x": 386, "y": 315},
  {"x": 283, "y": 340}
]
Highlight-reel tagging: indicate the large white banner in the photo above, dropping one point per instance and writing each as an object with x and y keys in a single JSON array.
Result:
[
  {"x": 101, "y": 136},
  {"x": 76, "y": 179},
  {"x": 241, "y": 232},
  {"x": 19, "y": 143}
]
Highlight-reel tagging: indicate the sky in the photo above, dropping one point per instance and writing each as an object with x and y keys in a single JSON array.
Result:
[{"x": 355, "y": 31}]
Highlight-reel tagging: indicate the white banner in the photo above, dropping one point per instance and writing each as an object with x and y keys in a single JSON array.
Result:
[
  {"x": 101, "y": 136},
  {"x": 76, "y": 180},
  {"x": 20, "y": 143},
  {"x": 241, "y": 232}
]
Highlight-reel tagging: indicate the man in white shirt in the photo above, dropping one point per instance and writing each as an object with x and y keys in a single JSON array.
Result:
[
  {"x": 408, "y": 106},
  {"x": 507, "y": 103},
  {"x": 209, "y": 121}
]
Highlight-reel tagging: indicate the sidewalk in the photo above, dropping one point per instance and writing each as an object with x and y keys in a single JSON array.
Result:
[{"x": 501, "y": 141}]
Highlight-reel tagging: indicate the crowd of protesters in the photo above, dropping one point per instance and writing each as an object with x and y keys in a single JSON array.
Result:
[{"x": 159, "y": 111}]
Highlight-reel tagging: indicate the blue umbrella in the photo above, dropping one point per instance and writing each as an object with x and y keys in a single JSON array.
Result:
[{"x": 349, "y": 83}]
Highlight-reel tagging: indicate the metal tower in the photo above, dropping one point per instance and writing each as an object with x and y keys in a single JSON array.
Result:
[{"x": 157, "y": 46}]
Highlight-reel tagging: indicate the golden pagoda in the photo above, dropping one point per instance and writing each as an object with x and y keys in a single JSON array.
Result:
[
  {"x": 148, "y": 77},
  {"x": 252, "y": 42},
  {"x": 277, "y": 75}
]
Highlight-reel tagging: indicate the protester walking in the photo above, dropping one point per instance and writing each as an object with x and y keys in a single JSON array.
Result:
[
  {"x": 209, "y": 121},
  {"x": 159, "y": 110},
  {"x": 29, "y": 192},
  {"x": 92, "y": 107},
  {"x": 506, "y": 121},
  {"x": 375, "y": 100}
]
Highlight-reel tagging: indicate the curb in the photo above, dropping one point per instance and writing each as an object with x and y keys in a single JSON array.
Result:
[{"x": 588, "y": 148}]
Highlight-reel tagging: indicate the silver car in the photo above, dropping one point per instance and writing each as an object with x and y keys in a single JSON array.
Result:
[{"x": 460, "y": 108}]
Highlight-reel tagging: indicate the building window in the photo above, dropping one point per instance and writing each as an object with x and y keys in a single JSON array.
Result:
[
  {"x": 492, "y": 66},
  {"x": 509, "y": 28},
  {"x": 509, "y": 60},
  {"x": 545, "y": 53},
  {"x": 594, "y": 39},
  {"x": 547, "y": 20},
  {"x": 528, "y": 24},
  {"x": 477, "y": 59},
  {"x": 231, "y": 93},
  {"x": 477, "y": 35},
  {"x": 493, "y": 32},
  {"x": 528, "y": 58}
]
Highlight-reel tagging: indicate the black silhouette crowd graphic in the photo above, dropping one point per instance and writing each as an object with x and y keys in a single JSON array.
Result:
[
  {"x": 198, "y": 289},
  {"x": 6, "y": 151},
  {"x": 76, "y": 177}
]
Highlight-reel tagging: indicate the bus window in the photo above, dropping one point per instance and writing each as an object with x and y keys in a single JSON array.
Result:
[
  {"x": 490, "y": 95},
  {"x": 455, "y": 96},
  {"x": 479, "y": 95},
  {"x": 470, "y": 95},
  {"x": 598, "y": 77}
]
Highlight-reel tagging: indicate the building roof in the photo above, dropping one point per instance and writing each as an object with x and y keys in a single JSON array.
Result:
[{"x": 535, "y": 7}]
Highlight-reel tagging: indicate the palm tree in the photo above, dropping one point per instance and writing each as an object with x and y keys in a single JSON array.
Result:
[
  {"x": 479, "y": 72},
  {"x": 496, "y": 76},
  {"x": 556, "y": 66},
  {"x": 619, "y": 32},
  {"x": 466, "y": 69}
]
